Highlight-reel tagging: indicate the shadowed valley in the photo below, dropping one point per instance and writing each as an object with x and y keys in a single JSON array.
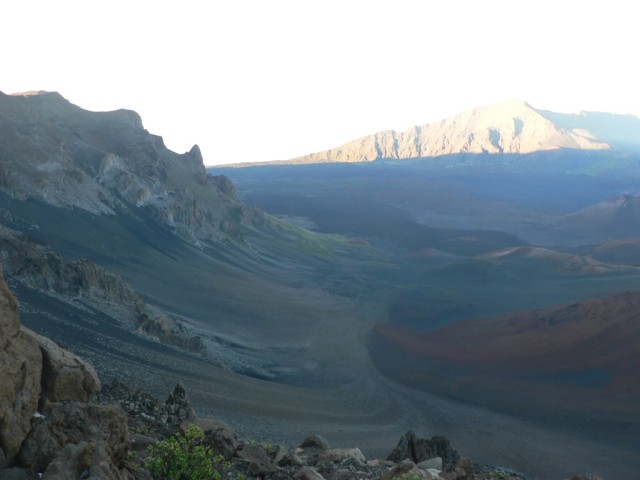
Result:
[
  {"x": 478, "y": 233},
  {"x": 356, "y": 300}
]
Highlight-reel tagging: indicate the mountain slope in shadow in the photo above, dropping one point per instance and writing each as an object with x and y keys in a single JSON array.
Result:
[{"x": 571, "y": 366}]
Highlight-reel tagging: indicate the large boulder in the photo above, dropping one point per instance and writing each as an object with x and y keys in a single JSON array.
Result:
[
  {"x": 402, "y": 469},
  {"x": 315, "y": 442},
  {"x": 352, "y": 456},
  {"x": 68, "y": 437},
  {"x": 74, "y": 437},
  {"x": 307, "y": 473},
  {"x": 178, "y": 407},
  {"x": 218, "y": 435},
  {"x": 20, "y": 372},
  {"x": 253, "y": 453},
  {"x": 420, "y": 449},
  {"x": 65, "y": 376}
]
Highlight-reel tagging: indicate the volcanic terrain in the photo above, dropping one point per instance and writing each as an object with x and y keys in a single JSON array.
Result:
[{"x": 344, "y": 298}]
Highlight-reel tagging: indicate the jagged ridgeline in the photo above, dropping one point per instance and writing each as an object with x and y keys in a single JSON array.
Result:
[
  {"x": 99, "y": 217},
  {"x": 106, "y": 162}
]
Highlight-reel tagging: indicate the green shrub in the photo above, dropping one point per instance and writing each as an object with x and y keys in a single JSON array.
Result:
[
  {"x": 184, "y": 457},
  {"x": 409, "y": 476}
]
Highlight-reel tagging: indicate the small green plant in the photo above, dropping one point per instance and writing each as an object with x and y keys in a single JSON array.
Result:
[
  {"x": 141, "y": 429},
  {"x": 410, "y": 476},
  {"x": 268, "y": 448},
  {"x": 185, "y": 457},
  {"x": 132, "y": 459}
]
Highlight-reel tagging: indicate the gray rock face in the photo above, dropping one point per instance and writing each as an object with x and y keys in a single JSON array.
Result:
[
  {"x": 74, "y": 435},
  {"x": 69, "y": 435},
  {"x": 307, "y": 473},
  {"x": 147, "y": 412},
  {"x": 253, "y": 453},
  {"x": 399, "y": 470},
  {"x": 105, "y": 163},
  {"x": 20, "y": 373},
  {"x": 420, "y": 449},
  {"x": 218, "y": 435},
  {"x": 65, "y": 375},
  {"x": 342, "y": 455},
  {"x": 178, "y": 407},
  {"x": 317, "y": 442},
  {"x": 289, "y": 457},
  {"x": 37, "y": 266},
  {"x": 435, "y": 463}
]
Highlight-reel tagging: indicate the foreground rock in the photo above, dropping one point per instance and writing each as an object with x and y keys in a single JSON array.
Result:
[
  {"x": 106, "y": 163},
  {"x": 145, "y": 413},
  {"x": 422, "y": 449},
  {"x": 65, "y": 375},
  {"x": 20, "y": 373},
  {"x": 46, "y": 423},
  {"x": 74, "y": 437}
]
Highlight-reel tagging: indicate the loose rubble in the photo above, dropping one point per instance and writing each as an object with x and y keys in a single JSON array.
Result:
[{"x": 413, "y": 458}]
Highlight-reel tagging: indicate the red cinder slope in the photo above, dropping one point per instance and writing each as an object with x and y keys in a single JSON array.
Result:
[{"x": 601, "y": 335}]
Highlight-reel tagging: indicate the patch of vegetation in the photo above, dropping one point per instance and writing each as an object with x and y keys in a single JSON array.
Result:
[
  {"x": 268, "y": 448},
  {"x": 410, "y": 476},
  {"x": 185, "y": 457},
  {"x": 320, "y": 244}
]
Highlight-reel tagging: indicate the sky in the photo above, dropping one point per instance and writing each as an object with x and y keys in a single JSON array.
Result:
[{"x": 257, "y": 80}]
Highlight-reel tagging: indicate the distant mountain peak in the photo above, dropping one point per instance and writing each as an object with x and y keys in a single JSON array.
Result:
[
  {"x": 511, "y": 126},
  {"x": 33, "y": 93}
]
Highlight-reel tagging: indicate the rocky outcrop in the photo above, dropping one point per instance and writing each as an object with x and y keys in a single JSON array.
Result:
[
  {"x": 106, "y": 163},
  {"x": 20, "y": 375},
  {"x": 33, "y": 264},
  {"x": 46, "y": 424},
  {"x": 179, "y": 409},
  {"x": 147, "y": 412},
  {"x": 316, "y": 442},
  {"x": 169, "y": 332},
  {"x": 507, "y": 127},
  {"x": 418, "y": 450},
  {"x": 74, "y": 437},
  {"x": 37, "y": 266},
  {"x": 218, "y": 435},
  {"x": 65, "y": 376}
]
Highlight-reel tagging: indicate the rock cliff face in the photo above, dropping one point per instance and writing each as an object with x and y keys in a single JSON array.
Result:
[
  {"x": 35, "y": 265},
  {"x": 106, "y": 162},
  {"x": 20, "y": 373},
  {"x": 45, "y": 420},
  {"x": 508, "y": 127}
]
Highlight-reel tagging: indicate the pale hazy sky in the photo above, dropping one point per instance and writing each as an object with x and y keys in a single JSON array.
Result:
[{"x": 254, "y": 80}]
